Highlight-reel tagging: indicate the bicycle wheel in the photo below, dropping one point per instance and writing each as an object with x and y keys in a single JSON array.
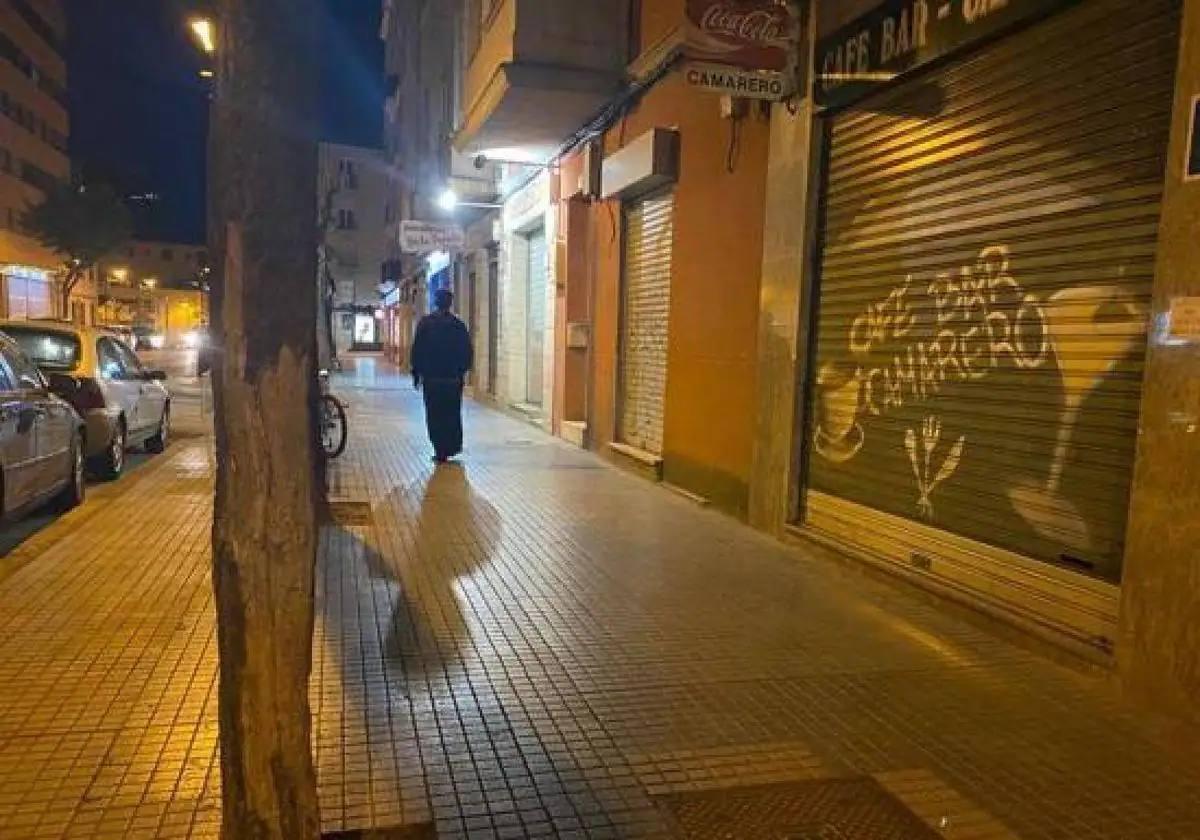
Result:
[{"x": 333, "y": 426}]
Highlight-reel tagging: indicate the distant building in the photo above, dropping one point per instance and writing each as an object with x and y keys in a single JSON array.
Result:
[
  {"x": 33, "y": 153},
  {"x": 155, "y": 288},
  {"x": 353, "y": 200}
]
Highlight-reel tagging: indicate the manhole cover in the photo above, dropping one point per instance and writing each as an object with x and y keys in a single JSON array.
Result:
[
  {"x": 424, "y": 831},
  {"x": 350, "y": 514},
  {"x": 826, "y": 809}
]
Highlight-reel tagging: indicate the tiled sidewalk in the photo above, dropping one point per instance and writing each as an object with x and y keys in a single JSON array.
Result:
[{"x": 534, "y": 644}]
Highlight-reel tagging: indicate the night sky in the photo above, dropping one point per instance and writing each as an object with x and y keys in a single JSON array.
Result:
[{"x": 139, "y": 109}]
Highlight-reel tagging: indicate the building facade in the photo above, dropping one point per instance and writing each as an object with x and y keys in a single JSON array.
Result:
[
  {"x": 355, "y": 205},
  {"x": 157, "y": 290},
  {"x": 34, "y": 129},
  {"x": 931, "y": 310}
]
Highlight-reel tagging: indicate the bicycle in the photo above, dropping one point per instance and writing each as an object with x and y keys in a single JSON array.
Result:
[{"x": 333, "y": 425}]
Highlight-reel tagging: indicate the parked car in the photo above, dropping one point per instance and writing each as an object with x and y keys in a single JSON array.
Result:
[
  {"x": 41, "y": 439},
  {"x": 145, "y": 338},
  {"x": 123, "y": 404}
]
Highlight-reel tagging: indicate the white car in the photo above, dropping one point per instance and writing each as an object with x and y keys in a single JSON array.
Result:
[{"x": 123, "y": 404}]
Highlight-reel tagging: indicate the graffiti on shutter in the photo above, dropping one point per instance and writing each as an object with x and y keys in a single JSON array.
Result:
[{"x": 985, "y": 283}]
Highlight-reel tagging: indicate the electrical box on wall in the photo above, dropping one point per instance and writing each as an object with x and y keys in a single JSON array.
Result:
[{"x": 579, "y": 334}]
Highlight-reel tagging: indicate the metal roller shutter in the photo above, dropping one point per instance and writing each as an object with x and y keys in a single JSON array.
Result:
[
  {"x": 535, "y": 344},
  {"x": 646, "y": 293},
  {"x": 988, "y": 248}
]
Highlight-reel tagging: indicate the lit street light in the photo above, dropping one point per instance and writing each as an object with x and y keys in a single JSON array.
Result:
[
  {"x": 448, "y": 200},
  {"x": 205, "y": 34}
]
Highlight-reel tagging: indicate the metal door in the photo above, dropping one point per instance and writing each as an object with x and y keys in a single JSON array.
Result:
[
  {"x": 645, "y": 305},
  {"x": 535, "y": 320},
  {"x": 985, "y": 276}
]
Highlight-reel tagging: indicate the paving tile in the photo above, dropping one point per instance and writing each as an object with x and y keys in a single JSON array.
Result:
[{"x": 534, "y": 644}]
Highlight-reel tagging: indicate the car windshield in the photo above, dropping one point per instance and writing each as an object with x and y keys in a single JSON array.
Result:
[{"x": 49, "y": 349}]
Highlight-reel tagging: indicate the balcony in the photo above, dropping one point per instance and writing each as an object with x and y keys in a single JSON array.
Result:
[{"x": 542, "y": 68}]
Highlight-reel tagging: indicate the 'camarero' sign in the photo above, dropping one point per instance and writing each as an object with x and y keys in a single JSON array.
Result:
[
  {"x": 731, "y": 81},
  {"x": 739, "y": 47}
]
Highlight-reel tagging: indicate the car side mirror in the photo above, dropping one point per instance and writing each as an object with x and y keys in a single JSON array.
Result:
[
  {"x": 62, "y": 385},
  {"x": 156, "y": 375}
]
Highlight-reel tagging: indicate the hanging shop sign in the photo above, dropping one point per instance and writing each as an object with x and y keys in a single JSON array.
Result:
[
  {"x": 901, "y": 35},
  {"x": 732, "y": 81},
  {"x": 742, "y": 34},
  {"x": 418, "y": 237}
]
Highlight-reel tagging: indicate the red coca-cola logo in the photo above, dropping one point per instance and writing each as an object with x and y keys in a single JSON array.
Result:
[{"x": 762, "y": 26}]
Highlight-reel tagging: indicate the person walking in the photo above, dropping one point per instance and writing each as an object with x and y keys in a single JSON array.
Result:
[{"x": 441, "y": 358}]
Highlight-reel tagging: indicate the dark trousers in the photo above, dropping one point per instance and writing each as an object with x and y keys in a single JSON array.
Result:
[{"x": 443, "y": 415}]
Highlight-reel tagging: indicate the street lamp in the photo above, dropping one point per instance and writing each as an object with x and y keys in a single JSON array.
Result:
[
  {"x": 449, "y": 201},
  {"x": 205, "y": 32}
]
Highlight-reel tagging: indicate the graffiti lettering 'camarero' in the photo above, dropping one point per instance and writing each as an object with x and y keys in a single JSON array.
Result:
[{"x": 977, "y": 318}]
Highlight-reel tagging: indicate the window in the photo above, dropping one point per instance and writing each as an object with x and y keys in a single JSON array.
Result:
[
  {"x": 26, "y": 374},
  {"x": 36, "y": 176},
  {"x": 130, "y": 361},
  {"x": 6, "y": 383},
  {"x": 346, "y": 220},
  {"x": 6, "y": 161},
  {"x": 111, "y": 365},
  {"x": 168, "y": 254},
  {"x": 347, "y": 174},
  {"x": 38, "y": 24},
  {"x": 48, "y": 349}
]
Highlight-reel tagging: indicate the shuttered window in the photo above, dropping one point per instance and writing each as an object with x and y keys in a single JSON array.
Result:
[
  {"x": 535, "y": 344},
  {"x": 646, "y": 295},
  {"x": 988, "y": 250}
]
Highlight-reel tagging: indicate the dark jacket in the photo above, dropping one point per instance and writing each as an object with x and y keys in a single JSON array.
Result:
[{"x": 441, "y": 348}]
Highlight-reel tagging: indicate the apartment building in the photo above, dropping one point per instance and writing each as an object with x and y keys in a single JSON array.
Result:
[
  {"x": 355, "y": 207},
  {"x": 33, "y": 153}
]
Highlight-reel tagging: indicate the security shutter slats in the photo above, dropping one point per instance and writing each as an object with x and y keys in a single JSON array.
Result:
[
  {"x": 536, "y": 318},
  {"x": 987, "y": 254},
  {"x": 648, "y": 226},
  {"x": 1036, "y": 58},
  {"x": 1055, "y": 82}
]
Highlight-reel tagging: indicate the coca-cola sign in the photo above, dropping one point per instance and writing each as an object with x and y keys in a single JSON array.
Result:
[{"x": 750, "y": 34}]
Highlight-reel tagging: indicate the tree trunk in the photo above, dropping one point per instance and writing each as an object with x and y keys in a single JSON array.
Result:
[{"x": 263, "y": 235}]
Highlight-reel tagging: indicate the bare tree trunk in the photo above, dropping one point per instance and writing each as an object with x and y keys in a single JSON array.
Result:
[{"x": 263, "y": 234}]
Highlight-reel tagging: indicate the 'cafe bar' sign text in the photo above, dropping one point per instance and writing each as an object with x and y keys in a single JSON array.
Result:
[{"x": 902, "y": 35}]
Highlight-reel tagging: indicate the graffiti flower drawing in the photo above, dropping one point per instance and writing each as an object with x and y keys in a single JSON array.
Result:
[{"x": 920, "y": 453}]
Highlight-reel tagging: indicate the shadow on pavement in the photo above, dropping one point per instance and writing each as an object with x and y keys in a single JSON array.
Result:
[{"x": 407, "y": 649}]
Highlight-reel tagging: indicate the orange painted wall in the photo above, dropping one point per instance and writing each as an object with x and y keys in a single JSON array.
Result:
[
  {"x": 659, "y": 19},
  {"x": 716, "y": 267}
]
